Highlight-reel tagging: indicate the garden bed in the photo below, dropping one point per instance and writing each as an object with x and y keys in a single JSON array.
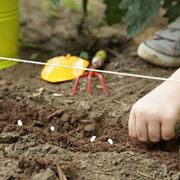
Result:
[{"x": 33, "y": 150}]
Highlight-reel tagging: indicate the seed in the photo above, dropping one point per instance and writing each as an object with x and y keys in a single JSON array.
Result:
[
  {"x": 19, "y": 122},
  {"x": 93, "y": 138},
  {"x": 52, "y": 128},
  {"x": 110, "y": 141},
  {"x": 57, "y": 95}
]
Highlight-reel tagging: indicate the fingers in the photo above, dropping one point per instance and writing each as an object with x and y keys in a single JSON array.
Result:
[
  {"x": 137, "y": 125},
  {"x": 154, "y": 130},
  {"x": 142, "y": 129},
  {"x": 168, "y": 128},
  {"x": 132, "y": 124},
  {"x": 150, "y": 128},
  {"x": 151, "y": 125}
]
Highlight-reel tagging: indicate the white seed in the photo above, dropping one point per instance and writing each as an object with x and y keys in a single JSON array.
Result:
[
  {"x": 93, "y": 138},
  {"x": 52, "y": 128},
  {"x": 110, "y": 141},
  {"x": 57, "y": 95},
  {"x": 19, "y": 122}
]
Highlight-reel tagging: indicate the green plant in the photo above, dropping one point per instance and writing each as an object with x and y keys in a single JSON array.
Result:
[
  {"x": 136, "y": 13},
  {"x": 173, "y": 9},
  {"x": 55, "y": 2}
]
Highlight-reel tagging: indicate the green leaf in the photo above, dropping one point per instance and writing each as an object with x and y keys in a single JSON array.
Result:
[
  {"x": 55, "y": 2},
  {"x": 72, "y": 4},
  {"x": 34, "y": 56},
  {"x": 84, "y": 55},
  {"x": 113, "y": 11},
  {"x": 50, "y": 6},
  {"x": 139, "y": 14},
  {"x": 173, "y": 9}
]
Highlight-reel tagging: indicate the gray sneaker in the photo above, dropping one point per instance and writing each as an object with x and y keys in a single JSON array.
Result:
[{"x": 164, "y": 49}]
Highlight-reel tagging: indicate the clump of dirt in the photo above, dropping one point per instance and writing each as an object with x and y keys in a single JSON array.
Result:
[{"x": 33, "y": 166}]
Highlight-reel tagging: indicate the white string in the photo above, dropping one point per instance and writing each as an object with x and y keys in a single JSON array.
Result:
[{"x": 94, "y": 70}]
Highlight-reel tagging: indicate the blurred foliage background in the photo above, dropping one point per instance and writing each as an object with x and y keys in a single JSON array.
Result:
[{"x": 136, "y": 14}]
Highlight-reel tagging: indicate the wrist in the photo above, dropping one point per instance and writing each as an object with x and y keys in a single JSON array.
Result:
[{"x": 174, "y": 85}]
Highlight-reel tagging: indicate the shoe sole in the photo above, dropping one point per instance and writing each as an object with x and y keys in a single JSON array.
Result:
[{"x": 157, "y": 58}]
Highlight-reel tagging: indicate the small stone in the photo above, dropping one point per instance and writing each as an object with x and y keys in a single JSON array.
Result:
[
  {"x": 36, "y": 94},
  {"x": 9, "y": 138},
  {"x": 116, "y": 65},
  {"x": 48, "y": 174},
  {"x": 93, "y": 138},
  {"x": 68, "y": 101},
  {"x": 18, "y": 98},
  {"x": 176, "y": 176},
  {"x": 165, "y": 170},
  {"x": 99, "y": 87},
  {"x": 52, "y": 128},
  {"x": 38, "y": 123},
  {"x": 19, "y": 122},
  {"x": 47, "y": 147},
  {"x": 41, "y": 89},
  {"x": 110, "y": 141},
  {"x": 85, "y": 105},
  {"x": 39, "y": 92},
  {"x": 89, "y": 128}
]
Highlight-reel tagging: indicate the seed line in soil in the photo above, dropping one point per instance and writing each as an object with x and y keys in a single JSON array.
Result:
[{"x": 92, "y": 70}]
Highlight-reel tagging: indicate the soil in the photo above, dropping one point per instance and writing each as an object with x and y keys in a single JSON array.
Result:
[{"x": 32, "y": 151}]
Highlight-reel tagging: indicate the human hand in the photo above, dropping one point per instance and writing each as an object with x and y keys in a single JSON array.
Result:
[{"x": 153, "y": 117}]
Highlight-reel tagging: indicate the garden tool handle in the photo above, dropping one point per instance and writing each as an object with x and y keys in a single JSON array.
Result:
[{"x": 99, "y": 58}]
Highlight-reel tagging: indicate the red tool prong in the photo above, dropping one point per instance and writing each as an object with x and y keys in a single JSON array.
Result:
[
  {"x": 89, "y": 79},
  {"x": 74, "y": 89},
  {"x": 101, "y": 78}
]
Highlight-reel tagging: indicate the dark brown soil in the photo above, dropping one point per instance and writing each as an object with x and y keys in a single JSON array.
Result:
[
  {"x": 33, "y": 148},
  {"x": 73, "y": 130}
]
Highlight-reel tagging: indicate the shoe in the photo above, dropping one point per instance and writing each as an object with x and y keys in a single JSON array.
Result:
[{"x": 164, "y": 48}]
